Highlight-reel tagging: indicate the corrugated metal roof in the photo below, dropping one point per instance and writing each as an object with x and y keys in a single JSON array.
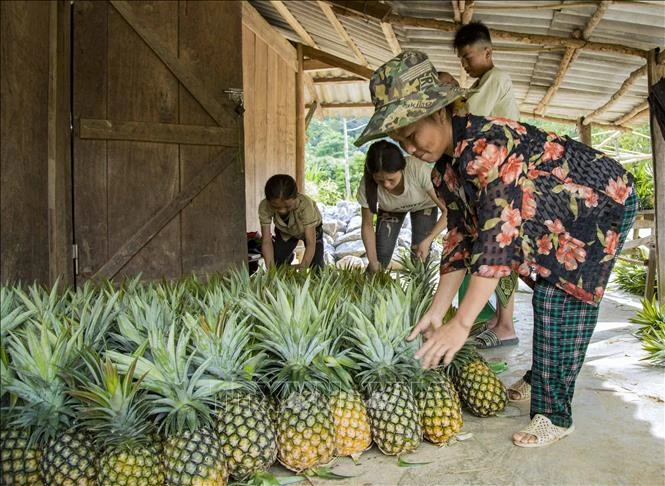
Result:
[{"x": 589, "y": 82}]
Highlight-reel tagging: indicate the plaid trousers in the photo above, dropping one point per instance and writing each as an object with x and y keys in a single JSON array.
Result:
[{"x": 562, "y": 329}]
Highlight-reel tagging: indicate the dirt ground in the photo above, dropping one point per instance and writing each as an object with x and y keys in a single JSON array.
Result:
[{"x": 618, "y": 412}]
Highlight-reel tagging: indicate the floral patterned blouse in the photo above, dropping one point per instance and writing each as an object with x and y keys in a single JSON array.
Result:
[{"x": 522, "y": 199}]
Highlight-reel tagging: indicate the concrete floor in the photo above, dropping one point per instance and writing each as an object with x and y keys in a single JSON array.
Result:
[{"x": 618, "y": 412}]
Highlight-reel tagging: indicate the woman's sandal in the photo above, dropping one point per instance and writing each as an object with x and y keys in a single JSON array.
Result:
[
  {"x": 521, "y": 389},
  {"x": 544, "y": 431}
]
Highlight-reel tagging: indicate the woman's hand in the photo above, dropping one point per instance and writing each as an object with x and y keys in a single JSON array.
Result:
[
  {"x": 428, "y": 323},
  {"x": 373, "y": 267},
  {"x": 443, "y": 343},
  {"x": 422, "y": 249}
]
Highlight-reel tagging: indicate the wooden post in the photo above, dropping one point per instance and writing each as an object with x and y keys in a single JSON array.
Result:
[
  {"x": 60, "y": 239},
  {"x": 300, "y": 121},
  {"x": 655, "y": 73},
  {"x": 584, "y": 131}
]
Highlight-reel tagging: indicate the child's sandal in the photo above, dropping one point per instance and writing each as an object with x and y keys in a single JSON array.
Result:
[
  {"x": 520, "y": 390},
  {"x": 544, "y": 431}
]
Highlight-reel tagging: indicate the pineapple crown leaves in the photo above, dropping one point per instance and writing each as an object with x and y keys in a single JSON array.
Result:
[
  {"x": 13, "y": 311},
  {"x": 43, "y": 304},
  {"x": 221, "y": 341},
  {"x": 180, "y": 395},
  {"x": 379, "y": 340},
  {"x": 38, "y": 357},
  {"x": 113, "y": 406},
  {"x": 296, "y": 336},
  {"x": 137, "y": 315}
]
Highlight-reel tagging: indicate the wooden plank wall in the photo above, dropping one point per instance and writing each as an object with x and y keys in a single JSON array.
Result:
[
  {"x": 24, "y": 88},
  {"x": 270, "y": 116}
]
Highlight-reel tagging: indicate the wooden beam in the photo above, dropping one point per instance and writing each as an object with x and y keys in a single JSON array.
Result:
[
  {"x": 157, "y": 132},
  {"x": 365, "y": 9},
  {"x": 632, "y": 114},
  {"x": 557, "y": 119},
  {"x": 337, "y": 25},
  {"x": 300, "y": 120},
  {"x": 467, "y": 10},
  {"x": 573, "y": 53},
  {"x": 185, "y": 75},
  {"x": 566, "y": 61},
  {"x": 310, "y": 113},
  {"x": 656, "y": 72},
  {"x": 584, "y": 132},
  {"x": 59, "y": 164},
  {"x": 347, "y": 105},
  {"x": 391, "y": 38},
  {"x": 293, "y": 22},
  {"x": 536, "y": 6},
  {"x": 338, "y": 62},
  {"x": 161, "y": 218},
  {"x": 257, "y": 24},
  {"x": 316, "y": 65},
  {"x": 339, "y": 80},
  {"x": 457, "y": 14},
  {"x": 309, "y": 84},
  {"x": 625, "y": 86},
  {"x": 533, "y": 39}
]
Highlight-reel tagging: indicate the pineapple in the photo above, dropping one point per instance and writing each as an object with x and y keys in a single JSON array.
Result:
[
  {"x": 19, "y": 462},
  {"x": 180, "y": 398},
  {"x": 479, "y": 389},
  {"x": 41, "y": 354},
  {"x": 351, "y": 423},
  {"x": 114, "y": 409},
  {"x": 387, "y": 365},
  {"x": 440, "y": 408},
  {"x": 243, "y": 423},
  {"x": 295, "y": 334}
]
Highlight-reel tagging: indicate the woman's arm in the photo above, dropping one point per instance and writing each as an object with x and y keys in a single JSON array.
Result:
[
  {"x": 266, "y": 246},
  {"x": 423, "y": 248},
  {"x": 369, "y": 239},
  {"x": 310, "y": 246}
]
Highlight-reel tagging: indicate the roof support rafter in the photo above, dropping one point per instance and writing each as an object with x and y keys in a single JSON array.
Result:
[
  {"x": 572, "y": 53},
  {"x": 293, "y": 22},
  {"x": 337, "y": 25},
  {"x": 337, "y": 62},
  {"x": 373, "y": 9},
  {"x": 625, "y": 86},
  {"x": 637, "y": 112}
]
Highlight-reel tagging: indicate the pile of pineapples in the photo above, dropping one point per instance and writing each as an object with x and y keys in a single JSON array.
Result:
[{"x": 196, "y": 381}]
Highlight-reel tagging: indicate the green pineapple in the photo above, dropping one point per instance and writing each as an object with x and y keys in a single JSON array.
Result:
[
  {"x": 115, "y": 409},
  {"x": 243, "y": 423},
  {"x": 180, "y": 397},
  {"x": 295, "y": 335},
  {"x": 478, "y": 386},
  {"x": 387, "y": 366}
]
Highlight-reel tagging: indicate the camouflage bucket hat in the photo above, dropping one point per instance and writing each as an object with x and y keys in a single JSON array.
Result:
[{"x": 404, "y": 90}]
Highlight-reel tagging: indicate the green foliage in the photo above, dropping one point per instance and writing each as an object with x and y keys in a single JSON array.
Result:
[
  {"x": 631, "y": 277},
  {"x": 324, "y": 159},
  {"x": 643, "y": 173},
  {"x": 652, "y": 330}
]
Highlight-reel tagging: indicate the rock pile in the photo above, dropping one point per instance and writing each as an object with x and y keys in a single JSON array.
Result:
[{"x": 343, "y": 245}]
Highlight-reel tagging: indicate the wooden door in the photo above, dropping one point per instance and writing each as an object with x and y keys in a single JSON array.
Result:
[{"x": 158, "y": 167}]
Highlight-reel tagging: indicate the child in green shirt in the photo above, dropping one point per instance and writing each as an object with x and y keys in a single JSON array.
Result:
[{"x": 295, "y": 217}]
